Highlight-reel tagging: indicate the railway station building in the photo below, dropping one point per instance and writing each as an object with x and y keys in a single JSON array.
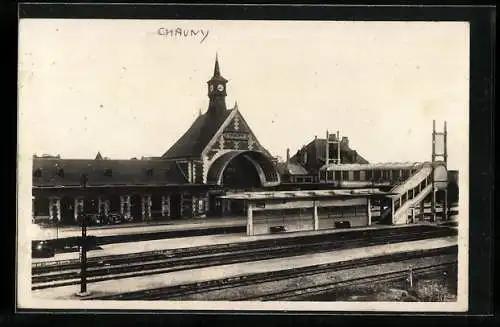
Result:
[
  {"x": 217, "y": 154},
  {"x": 216, "y": 168}
]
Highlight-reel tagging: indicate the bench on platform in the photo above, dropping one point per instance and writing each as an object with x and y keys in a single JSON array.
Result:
[{"x": 277, "y": 229}]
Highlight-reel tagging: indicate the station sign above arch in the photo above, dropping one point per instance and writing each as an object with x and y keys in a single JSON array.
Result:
[{"x": 236, "y": 135}]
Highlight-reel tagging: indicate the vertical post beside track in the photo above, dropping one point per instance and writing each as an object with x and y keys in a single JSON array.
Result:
[{"x": 83, "y": 246}]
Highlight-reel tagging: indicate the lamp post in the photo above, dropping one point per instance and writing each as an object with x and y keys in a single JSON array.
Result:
[{"x": 83, "y": 245}]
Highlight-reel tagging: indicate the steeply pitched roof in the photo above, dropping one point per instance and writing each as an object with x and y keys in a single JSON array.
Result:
[
  {"x": 291, "y": 168},
  {"x": 196, "y": 138},
  {"x": 67, "y": 172},
  {"x": 348, "y": 155}
]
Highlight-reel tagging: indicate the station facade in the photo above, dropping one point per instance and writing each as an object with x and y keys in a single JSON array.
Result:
[{"x": 217, "y": 155}]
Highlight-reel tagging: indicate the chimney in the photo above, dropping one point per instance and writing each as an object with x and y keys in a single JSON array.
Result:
[
  {"x": 288, "y": 155},
  {"x": 345, "y": 140}
]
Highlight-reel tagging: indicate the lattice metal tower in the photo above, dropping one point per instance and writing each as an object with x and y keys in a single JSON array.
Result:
[
  {"x": 439, "y": 156},
  {"x": 332, "y": 139},
  {"x": 439, "y": 144}
]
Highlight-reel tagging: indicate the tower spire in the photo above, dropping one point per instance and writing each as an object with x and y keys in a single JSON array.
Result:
[
  {"x": 217, "y": 90},
  {"x": 216, "y": 67}
]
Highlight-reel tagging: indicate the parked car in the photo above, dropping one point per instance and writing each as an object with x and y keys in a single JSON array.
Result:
[
  {"x": 73, "y": 243},
  {"x": 42, "y": 249}
]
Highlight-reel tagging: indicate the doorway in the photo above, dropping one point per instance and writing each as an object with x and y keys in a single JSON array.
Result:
[
  {"x": 214, "y": 205},
  {"x": 238, "y": 208},
  {"x": 67, "y": 210},
  {"x": 135, "y": 207},
  {"x": 175, "y": 205}
]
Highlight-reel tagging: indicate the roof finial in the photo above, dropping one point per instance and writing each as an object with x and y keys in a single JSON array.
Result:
[{"x": 235, "y": 104}]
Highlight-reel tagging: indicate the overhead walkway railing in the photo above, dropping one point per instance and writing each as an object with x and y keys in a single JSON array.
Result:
[{"x": 409, "y": 194}]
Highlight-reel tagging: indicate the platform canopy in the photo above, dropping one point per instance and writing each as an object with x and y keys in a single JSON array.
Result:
[
  {"x": 379, "y": 165},
  {"x": 304, "y": 194}
]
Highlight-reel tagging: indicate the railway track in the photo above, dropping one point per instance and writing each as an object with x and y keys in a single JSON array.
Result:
[
  {"x": 190, "y": 258},
  {"x": 179, "y": 291},
  {"x": 55, "y": 265},
  {"x": 300, "y": 293}
]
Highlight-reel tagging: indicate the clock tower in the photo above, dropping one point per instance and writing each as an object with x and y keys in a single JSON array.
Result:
[{"x": 217, "y": 91}]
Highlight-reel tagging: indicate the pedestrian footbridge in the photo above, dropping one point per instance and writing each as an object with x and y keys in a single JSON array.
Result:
[{"x": 412, "y": 192}]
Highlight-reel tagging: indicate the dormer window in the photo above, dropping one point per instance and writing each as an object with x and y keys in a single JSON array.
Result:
[
  {"x": 149, "y": 172},
  {"x": 108, "y": 172},
  {"x": 37, "y": 173}
]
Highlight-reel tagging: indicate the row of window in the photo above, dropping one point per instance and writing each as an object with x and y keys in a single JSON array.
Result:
[
  {"x": 37, "y": 173},
  {"x": 284, "y": 214},
  {"x": 349, "y": 211},
  {"x": 307, "y": 179},
  {"x": 366, "y": 175},
  {"x": 41, "y": 206}
]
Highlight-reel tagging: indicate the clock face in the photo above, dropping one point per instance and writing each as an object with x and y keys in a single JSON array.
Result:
[{"x": 220, "y": 87}]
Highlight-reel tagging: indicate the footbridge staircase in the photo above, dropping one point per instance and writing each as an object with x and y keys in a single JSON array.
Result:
[{"x": 412, "y": 192}]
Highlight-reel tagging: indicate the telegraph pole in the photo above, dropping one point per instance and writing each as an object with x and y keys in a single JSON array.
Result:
[
  {"x": 83, "y": 246},
  {"x": 433, "y": 198},
  {"x": 410, "y": 276}
]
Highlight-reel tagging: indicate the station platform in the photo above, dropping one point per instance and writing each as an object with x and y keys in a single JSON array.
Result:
[
  {"x": 224, "y": 271},
  {"x": 142, "y": 227},
  {"x": 151, "y": 227},
  {"x": 197, "y": 241}
]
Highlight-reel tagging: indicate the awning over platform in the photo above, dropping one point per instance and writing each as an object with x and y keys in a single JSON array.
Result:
[
  {"x": 379, "y": 165},
  {"x": 304, "y": 194}
]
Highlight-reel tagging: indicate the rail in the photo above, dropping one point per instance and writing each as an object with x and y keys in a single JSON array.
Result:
[
  {"x": 180, "y": 292},
  {"x": 324, "y": 288},
  {"x": 148, "y": 263}
]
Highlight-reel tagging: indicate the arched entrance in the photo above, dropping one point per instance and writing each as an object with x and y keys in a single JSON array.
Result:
[
  {"x": 243, "y": 168},
  {"x": 240, "y": 171}
]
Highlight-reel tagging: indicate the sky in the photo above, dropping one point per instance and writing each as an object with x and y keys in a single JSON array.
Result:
[{"x": 121, "y": 88}]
